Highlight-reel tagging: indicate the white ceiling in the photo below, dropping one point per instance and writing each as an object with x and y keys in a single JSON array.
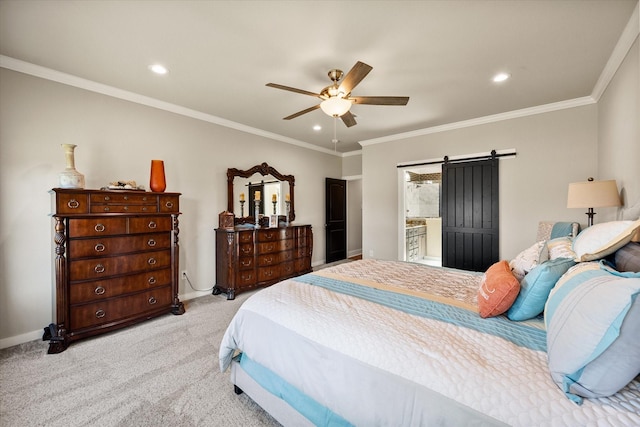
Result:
[{"x": 442, "y": 54}]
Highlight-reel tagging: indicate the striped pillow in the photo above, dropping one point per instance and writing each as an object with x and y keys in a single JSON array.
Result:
[{"x": 593, "y": 324}]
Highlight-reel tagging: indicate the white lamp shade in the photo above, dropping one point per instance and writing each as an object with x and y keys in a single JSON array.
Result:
[
  {"x": 593, "y": 194},
  {"x": 335, "y": 106}
]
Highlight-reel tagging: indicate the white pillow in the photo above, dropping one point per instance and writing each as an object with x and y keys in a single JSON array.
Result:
[
  {"x": 527, "y": 259},
  {"x": 600, "y": 240}
]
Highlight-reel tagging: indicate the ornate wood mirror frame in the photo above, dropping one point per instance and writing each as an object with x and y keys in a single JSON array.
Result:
[{"x": 263, "y": 169}]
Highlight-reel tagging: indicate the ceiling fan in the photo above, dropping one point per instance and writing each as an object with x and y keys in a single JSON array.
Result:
[{"x": 336, "y": 98}]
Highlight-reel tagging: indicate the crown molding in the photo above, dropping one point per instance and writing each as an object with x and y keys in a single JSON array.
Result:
[
  {"x": 75, "y": 81},
  {"x": 626, "y": 40},
  {"x": 571, "y": 103}
]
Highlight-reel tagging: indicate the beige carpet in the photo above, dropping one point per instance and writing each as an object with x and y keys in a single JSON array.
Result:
[{"x": 163, "y": 372}]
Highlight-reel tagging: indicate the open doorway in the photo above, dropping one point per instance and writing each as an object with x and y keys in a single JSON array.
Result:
[{"x": 422, "y": 219}]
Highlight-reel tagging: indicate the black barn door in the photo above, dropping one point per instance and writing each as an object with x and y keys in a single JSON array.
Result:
[
  {"x": 470, "y": 214},
  {"x": 336, "y": 219}
]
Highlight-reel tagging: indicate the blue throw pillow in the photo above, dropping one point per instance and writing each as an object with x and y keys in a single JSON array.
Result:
[
  {"x": 535, "y": 288},
  {"x": 593, "y": 324}
]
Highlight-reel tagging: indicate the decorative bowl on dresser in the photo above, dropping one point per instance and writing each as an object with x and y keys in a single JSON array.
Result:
[
  {"x": 249, "y": 253},
  {"x": 116, "y": 261}
]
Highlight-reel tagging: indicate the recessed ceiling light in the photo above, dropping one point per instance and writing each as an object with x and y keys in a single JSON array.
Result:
[
  {"x": 317, "y": 127},
  {"x": 158, "y": 69},
  {"x": 500, "y": 77}
]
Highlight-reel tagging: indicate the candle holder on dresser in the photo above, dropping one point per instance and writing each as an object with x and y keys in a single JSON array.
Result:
[
  {"x": 241, "y": 208},
  {"x": 274, "y": 206}
]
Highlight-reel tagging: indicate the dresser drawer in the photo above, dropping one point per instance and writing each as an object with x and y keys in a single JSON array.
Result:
[
  {"x": 82, "y": 248},
  {"x": 97, "y": 290},
  {"x": 274, "y": 234},
  {"x": 274, "y": 258},
  {"x": 302, "y": 264},
  {"x": 87, "y": 227},
  {"x": 270, "y": 247},
  {"x": 112, "y": 310},
  {"x": 71, "y": 203},
  {"x": 169, "y": 204},
  {"x": 246, "y": 249},
  {"x": 99, "y": 268},
  {"x": 266, "y": 274},
  {"x": 245, "y": 237},
  {"x": 245, "y": 278},
  {"x": 287, "y": 269},
  {"x": 146, "y": 224},
  {"x": 245, "y": 262},
  {"x": 132, "y": 209},
  {"x": 124, "y": 198},
  {"x": 302, "y": 252}
]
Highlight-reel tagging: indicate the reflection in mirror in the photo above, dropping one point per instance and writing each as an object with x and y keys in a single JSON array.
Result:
[
  {"x": 274, "y": 189},
  {"x": 269, "y": 187}
]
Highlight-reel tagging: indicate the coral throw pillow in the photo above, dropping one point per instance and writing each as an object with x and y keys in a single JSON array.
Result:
[{"x": 498, "y": 290}]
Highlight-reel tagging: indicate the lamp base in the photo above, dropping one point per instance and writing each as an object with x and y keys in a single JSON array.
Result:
[{"x": 590, "y": 215}]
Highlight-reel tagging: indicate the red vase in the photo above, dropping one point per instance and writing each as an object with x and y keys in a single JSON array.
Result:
[{"x": 157, "y": 182}]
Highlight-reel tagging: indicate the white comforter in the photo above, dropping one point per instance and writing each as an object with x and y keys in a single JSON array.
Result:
[{"x": 311, "y": 336}]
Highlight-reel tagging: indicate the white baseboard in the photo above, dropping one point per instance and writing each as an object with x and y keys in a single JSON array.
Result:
[
  {"x": 37, "y": 335},
  {"x": 354, "y": 252},
  {"x": 21, "y": 339}
]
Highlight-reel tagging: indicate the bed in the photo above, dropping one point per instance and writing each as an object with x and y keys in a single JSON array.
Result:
[{"x": 379, "y": 343}]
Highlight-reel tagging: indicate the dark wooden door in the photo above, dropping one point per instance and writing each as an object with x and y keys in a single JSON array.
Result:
[
  {"x": 470, "y": 214},
  {"x": 336, "y": 219}
]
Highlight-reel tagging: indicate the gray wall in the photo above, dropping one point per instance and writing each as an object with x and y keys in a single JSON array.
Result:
[
  {"x": 533, "y": 185},
  {"x": 553, "y": 149},
  {"x": 116, "y": 140}
]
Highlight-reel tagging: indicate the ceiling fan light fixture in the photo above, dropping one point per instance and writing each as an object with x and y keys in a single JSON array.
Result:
[{"x": 335, "y": 106}]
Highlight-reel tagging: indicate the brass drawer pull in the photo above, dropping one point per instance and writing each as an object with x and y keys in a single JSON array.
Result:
[
  {"x": 152, "y": 280},
  {"x": 99, "y": 228},
  {"x": 152, "y": 224},
  {"x": 99, "y": 290},
  {"x": 269, "y": 235},
  {"x": 152, "y": 300},
  {"x": 100, "y": 314},
  {"x": 169, "y": 205},
  {"x": 126, "y": 197},
  {"x": 126, "y": 208},
  {"x": 151, "y": 242},
  {"x": 152, "y": 261},
  {"x": 269, "y": 260},
  {"x": 99, "y": 268},
  {"x": 99, "y": 247},
  {"x": 247, "y": 250},
  {"x": 73, "y": 204},
  {"x": 245, "y": 263},
  {"x": 106, "y": 209},
  {"x": 107, "y": 198}
]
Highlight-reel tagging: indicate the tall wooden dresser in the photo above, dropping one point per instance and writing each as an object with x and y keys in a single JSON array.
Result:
[
  {"x": 249, "y": 258},
  {"x": 116, "y": 261}
]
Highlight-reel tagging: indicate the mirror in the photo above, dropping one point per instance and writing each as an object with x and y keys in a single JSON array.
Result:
[{"x": 273, "y": 186}]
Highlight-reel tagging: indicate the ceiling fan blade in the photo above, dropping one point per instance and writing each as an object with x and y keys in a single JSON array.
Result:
[
  {"x": 293, "y": 89},
  {"x": 354, "y": 76},
  {"x": 299, "y": 113},
  {"x": 348, "y": 119},
  {"x": 380, "y": 100}
]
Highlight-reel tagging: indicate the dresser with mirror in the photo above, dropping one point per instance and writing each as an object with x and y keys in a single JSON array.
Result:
[{"x": 257, "y": 243}]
